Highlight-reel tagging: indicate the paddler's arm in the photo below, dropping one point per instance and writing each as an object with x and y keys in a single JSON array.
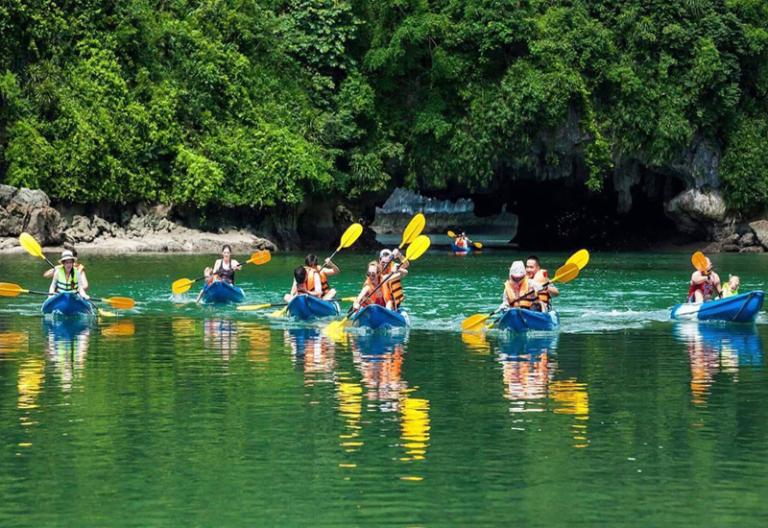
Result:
[
  {"x": 236, "y": 265},
  {"x": 330, "y": 267},
  {"x": 403, "y": 266},
  {"x": 52, "y": 288},
  {"x": 83, "y": 280},
  {"x": 48, "y": 274},
  {"x": 360, "y": 296}
]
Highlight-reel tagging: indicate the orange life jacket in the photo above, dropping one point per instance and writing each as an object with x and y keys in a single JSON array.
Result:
[
  {"x": 381, "y": 297},
  {"x": 323, "y": 280},
  {"x": 394, "y": 285},
  {"x": 309, "y": 284},
  {"x": 512, "y": 294},
  {"x": 542, "y": 277}
]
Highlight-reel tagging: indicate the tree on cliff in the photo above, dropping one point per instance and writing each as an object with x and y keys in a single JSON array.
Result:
[{"x": 260, "y": 103}]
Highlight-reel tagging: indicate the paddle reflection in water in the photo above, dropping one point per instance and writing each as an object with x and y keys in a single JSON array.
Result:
[
  {"x": 259, "y": 339},
  {"x": 529, "y": 368},
  {"x": 12, "y": 342},
  {"x": 718, "y": 349},
  {"x": 118, "y": 329},
  {"x": 379, "y": 356},
  {"x": 313, "y": 352},
  {"x": 67, "y": 342}
]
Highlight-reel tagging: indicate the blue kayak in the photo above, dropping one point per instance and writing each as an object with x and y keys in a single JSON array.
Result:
[
  {"x": 67, "y": 304},
  {"x": 460, "y": 250},
  {"x": 306, "y": 307},
  {"x": 221, "y": 292},
  {"x": 374, "y": 316},
  {"x": 741, "y": 308},
  {"x": 521, "y": 320}
]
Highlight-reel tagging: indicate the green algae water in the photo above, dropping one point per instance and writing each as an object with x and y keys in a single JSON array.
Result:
[{"x": 177, "y": 414}]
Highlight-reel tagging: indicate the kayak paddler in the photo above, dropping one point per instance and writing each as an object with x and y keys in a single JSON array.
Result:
[
  {"x": 704, "y": 286},
  {"x": 382, "y": 297},
  {"x": 731, "y": 287},
  {"x": 518, "y": 285},
  {"x": 392, "y": 265},
  {"x": 316, "y": 273},
  {"x": 224, "y": 268},
  {"x": 462, "y": 241},
  {"x": 305, "y": 282},
  {"x": 535, "y": 273},
  {"x": 67, "y": 277},
  {"x": 50, "y": 272}
]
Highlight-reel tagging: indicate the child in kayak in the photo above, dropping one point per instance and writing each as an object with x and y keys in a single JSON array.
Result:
[
  {"x": 731, "y": 287},
  {"x": 705, "y": 286},
  {"x": 49, "y": 273},
  {"x": 67, "y": 277},
  {"x": 539, "y": 277}
]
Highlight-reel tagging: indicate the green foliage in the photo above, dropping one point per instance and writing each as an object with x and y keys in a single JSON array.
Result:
[
  {"x": 263, "y": 103},
  {"x": 745, "y": 166}
]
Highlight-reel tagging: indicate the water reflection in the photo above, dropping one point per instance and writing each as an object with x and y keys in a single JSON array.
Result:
[
  {"x": 259, "y": 339},
  {"x": 313, "y": 352},
  {"x": 220, "y": 336},
  {"x": 13, "y": 342},
  {"x": 67, "y": 341},
  {"x": 715, "y": 349},
  {"x": 118, "y": 329},
  {"x": 528, "y": 365}
]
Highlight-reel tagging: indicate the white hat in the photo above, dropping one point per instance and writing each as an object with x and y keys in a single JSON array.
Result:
[
  {"x": 517, "y": 269},
  {"x": 385, "y": 254},
  {"x": 67, "y": 255}
]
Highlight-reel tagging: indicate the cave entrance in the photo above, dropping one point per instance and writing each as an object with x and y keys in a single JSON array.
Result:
[{"x": 559, "y": 214}]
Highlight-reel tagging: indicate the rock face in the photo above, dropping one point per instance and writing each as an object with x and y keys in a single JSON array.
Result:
[
  {"x": 697, "y": 211},
  {"x": 402, "y": 204},
  {"x": 149, "y": 230},
  {"x": 28, "y": 210}
]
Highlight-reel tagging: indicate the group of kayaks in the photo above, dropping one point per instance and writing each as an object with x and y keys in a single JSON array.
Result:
[{"x": 373, "y": 316}]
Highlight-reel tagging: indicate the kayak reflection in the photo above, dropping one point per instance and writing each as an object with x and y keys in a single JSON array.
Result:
[
  {"x": 714, "y": 349},
  {"x": 313, "y": 352},
  {"x": 67, "y": 341},
  {"x": 220, "y": 335}
]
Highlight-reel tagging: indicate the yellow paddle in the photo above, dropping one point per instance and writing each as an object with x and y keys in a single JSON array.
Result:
[
  {"x": 699, "y": 261},
  {"x": 180, "y": 286},
  {"x": 29, "y": 243},
  {"x": 255, "y": 307},
  {"x": 8, "y": 289},
  {"x": 565, "y": 273},
  {"x": 349, "y": 237},
  {"x": 451, "y": 234},
  {"x": 580, "y": 258},
  {"x": 413, "y": 229},
  {"x": 418, "y": 247}
]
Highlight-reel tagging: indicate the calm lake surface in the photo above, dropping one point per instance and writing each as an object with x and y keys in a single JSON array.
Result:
[{"x": 176, "y": 414}]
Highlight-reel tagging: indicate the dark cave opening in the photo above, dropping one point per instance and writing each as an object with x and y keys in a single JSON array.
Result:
[{"x": 563, "y": 213}]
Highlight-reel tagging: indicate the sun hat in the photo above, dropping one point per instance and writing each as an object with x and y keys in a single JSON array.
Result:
[
  {"x": 67, "y": 255},
  {"x": 385, "y": 254},
  {"x": 517, "y": 269}
]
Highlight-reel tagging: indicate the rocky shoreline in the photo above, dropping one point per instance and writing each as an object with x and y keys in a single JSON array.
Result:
[{"x": 150, "y": 230}]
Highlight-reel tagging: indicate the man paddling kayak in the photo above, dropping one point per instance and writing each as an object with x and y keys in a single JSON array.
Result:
[
  {"x": 540, "y": 277},
  {"x": 705, "y": 285},
  {"x": 312, "y": 279},
  {"x": 67, "y": 277},
  {"x": 50, "y": 272},
  {"x": 392, "y": 264}
]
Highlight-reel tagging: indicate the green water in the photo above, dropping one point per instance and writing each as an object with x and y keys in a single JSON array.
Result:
[{"x": 182, "y": 415}]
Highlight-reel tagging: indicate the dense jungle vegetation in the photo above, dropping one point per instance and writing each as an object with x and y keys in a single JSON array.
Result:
[{"x": 262, "y": 103}]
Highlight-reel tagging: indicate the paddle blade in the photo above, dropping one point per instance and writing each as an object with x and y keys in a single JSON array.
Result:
[
  {"x": 349, "y": 237},
  {"x": 474, "y": 322},
  {"x": 580, "y": 258},
  {"x": 181, "y": 286},
  {"x": 8, "y": 289},
  {"x": 478, "y": 245},
  {"x": 120, "y": 303},
  {"x": 414, "y": 229},
  {"x": 279, "y": 313},
  {"x": 699, "y": 261},
  {"x": 348, "y": 299},
  {"x": 418, "y": 247},
  {"x": 451, "y": 234},
  {"x": 29, "y": 243},
  {"x": 260, "y": 257},
  {"x": 252, "y": 307},
  {"x": 566, "y": 273},
  {"x": 335, "y": 329}
]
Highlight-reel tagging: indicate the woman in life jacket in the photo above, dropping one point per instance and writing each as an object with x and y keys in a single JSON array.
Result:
[
  {"x": 304, "y": 284},
  {"x": 539, "y": 277},
  {"x": 518, "y": 289},
  {"x": 393, "y": 269},
  {"x": 49, "y": 273},
  {"x": 315, "y": 272},
  {"x": 704, "y": 286},
  {"x": 224, "y": 268},
  {"x": 67, "y": 277},
  {"x": 381, "y": 296}
]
